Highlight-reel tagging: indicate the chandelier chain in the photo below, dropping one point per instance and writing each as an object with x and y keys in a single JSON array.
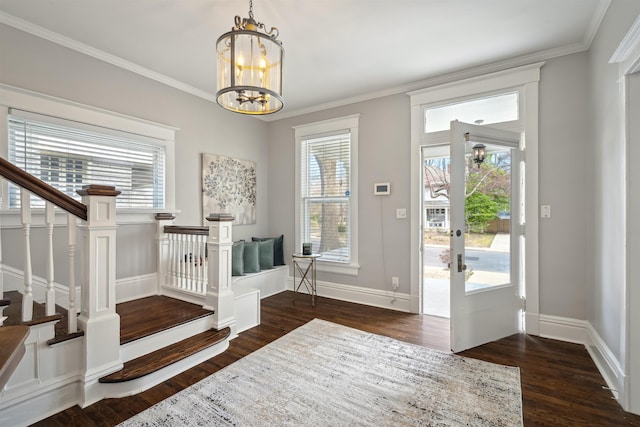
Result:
[{"x": 251, "y": 9}]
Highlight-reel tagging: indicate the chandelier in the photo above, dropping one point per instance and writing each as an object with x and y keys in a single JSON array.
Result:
[{"x": 249, "y": 67}]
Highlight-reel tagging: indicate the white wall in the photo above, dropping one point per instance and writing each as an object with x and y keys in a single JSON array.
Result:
[
  {"x": 606, "y": 295},
  {"x": 33, "y": 63}
]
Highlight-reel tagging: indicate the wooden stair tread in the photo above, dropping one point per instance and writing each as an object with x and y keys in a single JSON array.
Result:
[
  {"x": 14, "y": 311},
  {"x": 152, "y": 362},
  {"x": 12, "y": 350},
  {"x": 147, "y": 316}
]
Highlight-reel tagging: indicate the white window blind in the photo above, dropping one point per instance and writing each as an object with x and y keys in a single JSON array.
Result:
[
  {"x": 325, "y": 195},
  {"x": 69, "y": 155}
]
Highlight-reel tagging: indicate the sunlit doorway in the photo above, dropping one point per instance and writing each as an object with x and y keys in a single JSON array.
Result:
[{"x": 487, "y": 230}]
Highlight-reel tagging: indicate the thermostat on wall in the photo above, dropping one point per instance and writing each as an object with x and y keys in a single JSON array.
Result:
[{"x": 381, "y": 189}]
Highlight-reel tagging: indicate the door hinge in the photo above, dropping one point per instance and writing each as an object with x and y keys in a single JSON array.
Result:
[{"x": 523, "y": 303}]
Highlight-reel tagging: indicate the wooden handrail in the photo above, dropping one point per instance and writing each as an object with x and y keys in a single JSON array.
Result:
[
  {"x": 42, "y": 189},
  {"x": 187, "y": 229}
]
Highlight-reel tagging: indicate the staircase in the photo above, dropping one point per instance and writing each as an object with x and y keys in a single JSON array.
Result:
[
  {"x": 57, "y": 352},
  {"x": 159, "y": 338}
]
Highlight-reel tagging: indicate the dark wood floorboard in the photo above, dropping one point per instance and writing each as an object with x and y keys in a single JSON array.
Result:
[
  {"x": 561, "y": 386},
  {"x": 146, "y": 316}
]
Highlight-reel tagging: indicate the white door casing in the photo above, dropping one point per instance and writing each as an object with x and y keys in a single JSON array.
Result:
[{"x": 525, "y": 79}]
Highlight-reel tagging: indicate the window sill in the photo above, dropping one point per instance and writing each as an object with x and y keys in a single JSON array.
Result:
[
  {"x": 12, "y": 217},
  {"x": 337, "y": 268}
]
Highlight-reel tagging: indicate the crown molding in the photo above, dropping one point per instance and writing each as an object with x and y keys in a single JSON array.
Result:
[
  {"x": 67, "y": 42},
  {"x": 454, "y": 76},
  {"x": 596, "y": 20},
  {"x": 628, "y": 51},
  {"x": 461, "y": 74}
]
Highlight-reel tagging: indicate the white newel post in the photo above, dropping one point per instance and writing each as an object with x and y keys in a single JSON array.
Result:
[
  {"x": 219, "y": 294},
  {"x": 98, "y": 317},
  {"x": 162, "y": 239}
]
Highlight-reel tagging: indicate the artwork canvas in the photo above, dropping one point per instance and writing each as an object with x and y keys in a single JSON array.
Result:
[{"x": 229, "y": 186}]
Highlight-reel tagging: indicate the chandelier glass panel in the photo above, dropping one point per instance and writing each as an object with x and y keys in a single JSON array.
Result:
[{"x": 249, "y": 67}]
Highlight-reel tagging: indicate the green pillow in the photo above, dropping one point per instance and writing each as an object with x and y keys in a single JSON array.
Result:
[
  {"x": 278, "y": 250},
  {"x": 265, "y": 252},
  {"x": 237, "y": 262},
  {"x": 251, "y": 257}
]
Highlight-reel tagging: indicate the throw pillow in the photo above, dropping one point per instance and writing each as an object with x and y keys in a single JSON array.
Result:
[
  {"x": 237, "y": 261},
  {"x": 251, "y": 257},
  {"x": 278, "y": 250},
  {"x": 266, "y": 254}
]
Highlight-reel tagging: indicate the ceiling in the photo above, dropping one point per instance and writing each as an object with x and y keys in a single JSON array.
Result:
[{"x": 336, "y": 51}]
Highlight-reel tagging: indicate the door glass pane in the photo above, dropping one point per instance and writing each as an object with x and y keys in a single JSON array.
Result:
[
  {"x": 492, "y": 109},
  {"x": 436, "y": 217},
  {"x": 488, "y": 219}
]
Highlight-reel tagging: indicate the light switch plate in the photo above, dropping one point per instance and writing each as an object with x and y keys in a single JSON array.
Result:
[{"x": 545, "y": 211}]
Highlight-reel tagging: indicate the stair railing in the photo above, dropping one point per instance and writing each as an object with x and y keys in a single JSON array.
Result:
[
  {"x": 194, "y": 263},
  {"x": 28, "y": 185},
  {"x": 53, "y": 197},
  {"x": 186, "y": 269}
]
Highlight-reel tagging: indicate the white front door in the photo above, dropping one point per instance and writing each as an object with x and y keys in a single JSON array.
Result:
[{"x": 486, "y": 283}]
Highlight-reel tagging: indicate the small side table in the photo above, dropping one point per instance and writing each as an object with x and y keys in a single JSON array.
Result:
[{"x": 307, "y": 275}]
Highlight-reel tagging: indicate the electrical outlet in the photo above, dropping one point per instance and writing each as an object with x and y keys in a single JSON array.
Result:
[{"x": 395, "y": 283}]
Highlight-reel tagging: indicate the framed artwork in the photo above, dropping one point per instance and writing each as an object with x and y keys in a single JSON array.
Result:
[{"x": 229, "y": 186}]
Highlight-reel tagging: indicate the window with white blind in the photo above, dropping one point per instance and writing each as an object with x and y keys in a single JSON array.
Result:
[
  {"x": 69, "y": 155},
  {"x": 326, "y": 209}
]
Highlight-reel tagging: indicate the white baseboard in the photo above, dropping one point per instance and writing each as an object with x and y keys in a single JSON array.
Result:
[
  {"x": 607, "y": 363},
  {"x": 563, "y": 329},
  {"x": 14, "y": 281},
  {"x": 131, "y": 288},
  {"x": 127, "y": 289},
  {"x": 582, "y": 332},
  {"x": 374, "y": 297}
]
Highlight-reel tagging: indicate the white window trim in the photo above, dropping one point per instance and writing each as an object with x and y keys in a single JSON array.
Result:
[
  {"x": 325, "y": 126},
  {"x": 526, "y": 80},
  {"x": 22, "y": 99}
]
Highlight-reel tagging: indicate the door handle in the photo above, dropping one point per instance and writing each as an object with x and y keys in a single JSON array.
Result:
[{"x": 461, "y": 267}]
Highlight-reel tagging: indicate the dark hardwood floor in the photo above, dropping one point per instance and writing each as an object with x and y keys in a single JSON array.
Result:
[{"x": 560, "y": 384}]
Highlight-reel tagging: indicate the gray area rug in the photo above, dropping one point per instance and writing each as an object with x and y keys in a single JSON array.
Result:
[{"x": 324, "y": 374}]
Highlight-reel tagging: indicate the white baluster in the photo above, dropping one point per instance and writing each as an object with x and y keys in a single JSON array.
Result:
[
  {"x": 172, "y": 259},
  {"x": 71, "y": 233},
  {"x": 165, "y": 261},
  {"x": 181, "y": 263},
  {"x": 192, "y": 260},
  {"x": 50, "y": 296},
  {"x": 199, "y": 265},
  {"x": 27, "y": 296}
]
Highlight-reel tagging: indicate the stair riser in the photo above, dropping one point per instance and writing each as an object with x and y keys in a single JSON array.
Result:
[
  {"x": 154, "y": 342},
  {"x": 128, "y": 388}
]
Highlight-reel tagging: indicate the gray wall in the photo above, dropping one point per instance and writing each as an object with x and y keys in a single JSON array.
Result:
[
  {"x": 563, "y": 177},
  {"x": 607, "y": 269},
  {"x": 38, "y": 65},
  {"x": 384, "y": 150},
  {"x": 136, "y": 252}
]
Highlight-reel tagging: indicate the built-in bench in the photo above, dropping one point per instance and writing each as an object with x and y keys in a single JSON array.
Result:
[{"x": 251, "y": 288}]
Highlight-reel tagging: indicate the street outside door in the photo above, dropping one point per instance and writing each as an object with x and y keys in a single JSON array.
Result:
[{"x": 486, "y": 302}]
